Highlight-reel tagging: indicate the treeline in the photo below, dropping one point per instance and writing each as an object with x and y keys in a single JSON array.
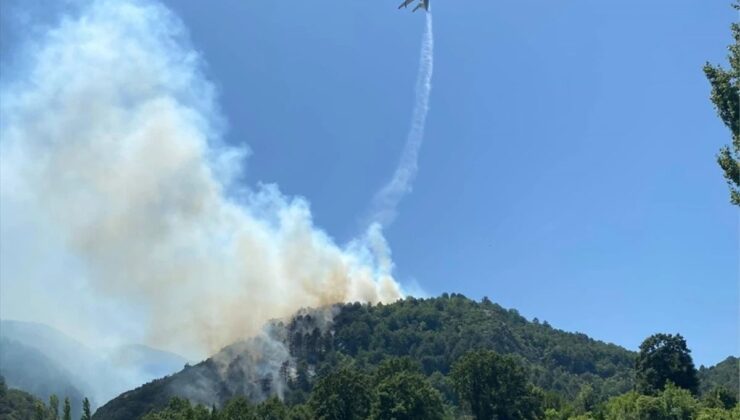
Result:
[
  {"x": 486, "y": 385},
  {"x": 437, "y": 332},
  {"x": 19, "y": 405},
  {"x": 394, "y": 357}
]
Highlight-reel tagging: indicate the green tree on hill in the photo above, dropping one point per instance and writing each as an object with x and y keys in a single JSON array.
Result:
[
  {"x": 67, "y": 410},
  {"x": 272, "y": 409},
  {"x": 673, "y": 403},
  {"x": 238, "y": 408},
  {"x": 86, "y": 415},
  {"x": 40, "y": 411},
  {"x": 342, "y": 395},
  {"x": 664, "y": 358},
  {"x": 406, "y": 396},
  {"x": 494, "y": 386},
  {"x": 54, "y": 407},
  {"x": 720, "y": 397}
]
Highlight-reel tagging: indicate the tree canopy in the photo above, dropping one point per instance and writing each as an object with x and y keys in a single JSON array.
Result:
[
  {"x": 725, "y": 96},
  {"x": 494, "y": 386},
  {"x": 665, "y": 358}
]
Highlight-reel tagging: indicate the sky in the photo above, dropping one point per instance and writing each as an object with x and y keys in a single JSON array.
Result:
[{"x": 568, "y": 167}]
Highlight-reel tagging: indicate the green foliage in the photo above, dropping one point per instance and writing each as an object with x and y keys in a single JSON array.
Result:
[
  {"x": 726, "y": 98},
  {"x": 408, "y": 360},
  {"x": 720, "y": 397},
  {"x": 406, "y": 396},
  {"x": 725, "y": 374},
  {"x": 664, "y": 358},
  {"x": 67, "y": 410},
  {"x": 342, "y": 395},
  {"x": 180, "y": 409},
  {"x": 719, "y": 414},
  {"x": 238, "y": 408},
  {"x": 429, "y": 335},
  {"x": 436, "y": 332},
  {"x": 54, "y": 407},
  {"x": 300, "y": 412},
  {"x": 494, "y": 386},
  {"x": 586, "y": 400},
  {"x": 394, "y": 365},
  {"x": 272, "y": 409},
  {"x": 673, "y": 403},
  {"x": 86, "y": 415},
  {"x": 19, "y": 405}
]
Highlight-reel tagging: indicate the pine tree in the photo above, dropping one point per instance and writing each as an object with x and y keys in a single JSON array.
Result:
[
  {"x": 54, "y": 407},
  {"x": 86, "y": 415},
  {"x": 67, "y": 410},
  {"x": 40, "y": 413}
]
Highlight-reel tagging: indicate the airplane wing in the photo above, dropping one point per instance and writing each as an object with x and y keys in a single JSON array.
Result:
[
  {"x": 405, "y": 3},
  {"x": 422, "y": 3}
]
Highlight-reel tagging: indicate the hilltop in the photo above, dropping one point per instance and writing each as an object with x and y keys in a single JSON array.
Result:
[{"x": 290, "y": 356}]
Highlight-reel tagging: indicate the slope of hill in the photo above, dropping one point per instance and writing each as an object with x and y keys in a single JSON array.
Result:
[
  {"x": 145, "y": 361},
  {"x": 16, "y": 404},
  {"x": 27, "y": 369},
  {"x": 41, "y": 360},
  {"x": 287, "y": 358},
  {"x": 725, "y": 373}
]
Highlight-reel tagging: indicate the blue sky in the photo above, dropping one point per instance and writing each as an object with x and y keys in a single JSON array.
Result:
[{"x": 568, "y": 167}]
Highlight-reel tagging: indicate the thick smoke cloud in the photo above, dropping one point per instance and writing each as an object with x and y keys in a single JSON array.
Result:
[{"x": 120, "y": 213}]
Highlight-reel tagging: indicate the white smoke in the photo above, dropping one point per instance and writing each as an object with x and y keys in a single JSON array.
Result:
[
  {"x": 118, "y": 205},
  {"x": 385, "y": 203}
]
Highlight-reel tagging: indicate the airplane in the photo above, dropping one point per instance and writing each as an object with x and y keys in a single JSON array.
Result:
[{"x": 422, "y": 3}]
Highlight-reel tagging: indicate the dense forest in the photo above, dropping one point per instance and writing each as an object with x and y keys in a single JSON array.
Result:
[{"x": 445, "y": 357}]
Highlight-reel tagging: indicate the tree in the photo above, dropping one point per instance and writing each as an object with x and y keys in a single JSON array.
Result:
[
  {"x": 586, "y": 399},
  {"x": 40, "y": 411},
  {"x": 664, "y": 358},
  {"x": 720, "y": 397},
  {"x": 54, "y": 407},
  {"x": 494, "y": 386},
  {"x": 67, "y": 410},
  {"x": 272, "y": 409},
  {"x": 394, "y": 365},
  {"x": 237, "y": 409},
  {"x": 726, "y": 98},
  {"x": 406, "y": 396},
  {"x": 300, "y": 412},
  {"x": 86, "y": 415},
  {"x": 671, "y": 404},
  {"x": 342, "y": 395},
  {"x": 181, "y": 409}
]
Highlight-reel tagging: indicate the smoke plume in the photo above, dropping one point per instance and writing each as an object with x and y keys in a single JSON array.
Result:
[
  {"x": 385, "y": 203},
  {"x": 120, "y": 212}
]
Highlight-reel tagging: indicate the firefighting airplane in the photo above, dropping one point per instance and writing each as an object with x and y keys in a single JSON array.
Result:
[{"x": 422, "y": 3}]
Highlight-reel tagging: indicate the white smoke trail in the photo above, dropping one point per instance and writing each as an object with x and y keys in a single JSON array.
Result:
[
  {"x": 117, "y": 216},
  {"x": 385, "y": 203}
]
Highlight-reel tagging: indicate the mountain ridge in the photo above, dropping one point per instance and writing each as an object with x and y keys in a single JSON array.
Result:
[{"x": 434, "y": 331}]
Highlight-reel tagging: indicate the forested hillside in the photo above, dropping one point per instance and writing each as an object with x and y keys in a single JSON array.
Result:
[
  {"x": 424, "y": 337},
  {"x": 25, "y": 368},
  {"x": 725, "y": 374},
  {"x": 17, "y": 405}
]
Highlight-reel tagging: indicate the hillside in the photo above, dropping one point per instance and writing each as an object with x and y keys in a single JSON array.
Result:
[
  {"x": 287, "y": 358},
  {"x": 27, "y": 369},
  {"x": 16, "y": 404},
  {"x": 725, "y": 373},
  {"x": 41, "y": 360}
]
